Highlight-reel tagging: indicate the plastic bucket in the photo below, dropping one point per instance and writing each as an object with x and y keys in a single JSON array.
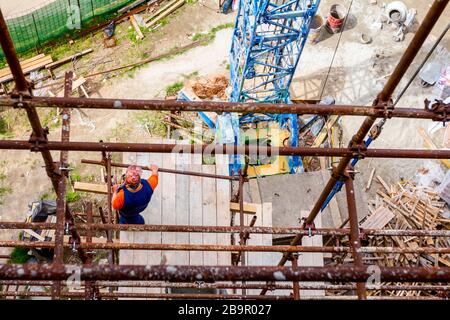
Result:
[
  {"x": 315, "y": 29},
  {"x": 336, "y": 18}
]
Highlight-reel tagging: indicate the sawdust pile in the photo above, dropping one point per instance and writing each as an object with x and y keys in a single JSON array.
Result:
[{"x": 210, "y": 88}]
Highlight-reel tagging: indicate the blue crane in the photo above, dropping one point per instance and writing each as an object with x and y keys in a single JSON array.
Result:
[{"x": 268, "y": 39}]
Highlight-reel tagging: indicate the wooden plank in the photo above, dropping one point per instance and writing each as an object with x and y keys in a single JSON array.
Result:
[
  {"x": 139, "y": 33},
  {"x": 35, "y": 66},
  {"x": 369, "y": 181},
  {"x": 429, "y": 144},
  {"x": 75, "y": 85},
  {"x": 90, "y": 187},
  {"x": 182, "y": 199},
  {"x": 320, "y": 138},
  {"x": 379, "y": 219},
  {"x": 68, "y": 59},
  {"x": 384, "y": 184},
  {"x": 314, "y": 259},
  {"x": 167, "y": 6},
  {"x": 223, "y": 207},
  {"x": 249, "y": 208},
  {"x": 254, "y": 258},
  {"x": 268, "y": 258},
  {"x": 209, "y": 213},
  {"x": 169, "y": 192},
  {"x": 164, "y": 14},
  {"x": 34, "y": 234},
  {"x": 23, "y": 63},
  {"x": 196, "y": 209}
]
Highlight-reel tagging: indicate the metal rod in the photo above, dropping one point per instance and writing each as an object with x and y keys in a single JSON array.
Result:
[
  {"x": 226, "y": 229},
  {"x": 213, "y": 247},
  {"x": 23, "y": 91},
  {"x": 192, "y": 106},
  {"x": 354, "y": 233},
  {"x": 7, "y": 44},
  {"x": 59, "y": 233},
  {"x": 61, "y": 205},
  {"x": 303, "y": 286},
  {"x": 106, "y": 157},
  {"x": 225, "y": 149},
  {"x": 190, "y": 173},
  {"x": 178, "y": 273},
  {"x": 295, "y": 284},
  {"x": 137, "y": 295},
  {"x": 75, "y": 239},
  {"x": 90, "y": 285}
]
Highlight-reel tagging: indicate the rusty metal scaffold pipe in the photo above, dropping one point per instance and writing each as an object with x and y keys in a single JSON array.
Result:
[
  {"x": 23, "y": 91},
  {"x": 213, "y": 149},
  {"x": 182, "y": 172},
  {"x": 201, "y": 296},
  {"x": 184, "y": 273},
  {"x": 214, "y": 247},
  {"x": 226, "y": 229},
  {"x": 303, "y": 286},
  {"x": 354, "y": 234},
  {"x": 193, "y": 106},
  {"x": 22, "y": 85}
]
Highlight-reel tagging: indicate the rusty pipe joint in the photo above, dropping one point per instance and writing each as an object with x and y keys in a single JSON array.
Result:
[
  {"x": 20, "y": 103},
  {"x": 20, "y": 94},
  {"x": 440, "y": 109},
  {"x": 339, "y": 176},
  {"x": 358, "y": 149},
  {"x": 387, "y": 106},
  {"x": 34, "y": 138}
]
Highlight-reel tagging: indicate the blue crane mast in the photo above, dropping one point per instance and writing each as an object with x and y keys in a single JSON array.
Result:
[{"x": 267, "y": 43}]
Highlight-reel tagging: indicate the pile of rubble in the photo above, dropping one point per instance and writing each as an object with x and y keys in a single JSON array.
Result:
[{"x": 211, "y": 88}]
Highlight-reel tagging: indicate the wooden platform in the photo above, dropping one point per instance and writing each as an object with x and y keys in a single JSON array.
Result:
[{"x": 181, "y": 200}]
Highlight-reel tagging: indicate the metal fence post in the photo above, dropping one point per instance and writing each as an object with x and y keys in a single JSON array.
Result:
[{"x": 37, "y": 33}]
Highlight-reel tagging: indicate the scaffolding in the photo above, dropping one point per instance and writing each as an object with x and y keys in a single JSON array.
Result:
[{"x": 237, "y": 275}]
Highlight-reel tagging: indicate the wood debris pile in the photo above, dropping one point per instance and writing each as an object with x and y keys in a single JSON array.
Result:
[
  {"x": 407, "y": 206},
  {"x": 211, "y": 88}
]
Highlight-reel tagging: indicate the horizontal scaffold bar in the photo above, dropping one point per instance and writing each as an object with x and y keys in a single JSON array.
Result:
[
  {"x": 183, "y": 273},
  {"x": 212, "y": 149},
  {"x": 212, "y": 106}
]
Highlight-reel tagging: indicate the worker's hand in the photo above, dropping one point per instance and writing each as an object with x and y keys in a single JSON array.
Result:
[
  {"x": 115, "y": 187},
  {"x": 154, "y": 168}
]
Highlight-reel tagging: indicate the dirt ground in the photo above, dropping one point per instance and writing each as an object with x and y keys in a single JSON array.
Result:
[{"x": 355, "y": 77}]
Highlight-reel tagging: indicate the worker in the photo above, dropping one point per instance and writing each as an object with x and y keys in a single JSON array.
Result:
[{"x": 134, "y": 195}]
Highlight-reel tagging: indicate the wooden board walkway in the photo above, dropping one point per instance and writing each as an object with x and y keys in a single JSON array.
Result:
[{"x": 181, "y": 200}]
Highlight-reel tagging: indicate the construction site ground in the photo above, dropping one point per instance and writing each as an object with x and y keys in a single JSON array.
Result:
[{"x": 356, "y": 76}]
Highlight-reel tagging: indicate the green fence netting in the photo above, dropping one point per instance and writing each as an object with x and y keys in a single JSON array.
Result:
[{"x": 55, "y": 18}]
